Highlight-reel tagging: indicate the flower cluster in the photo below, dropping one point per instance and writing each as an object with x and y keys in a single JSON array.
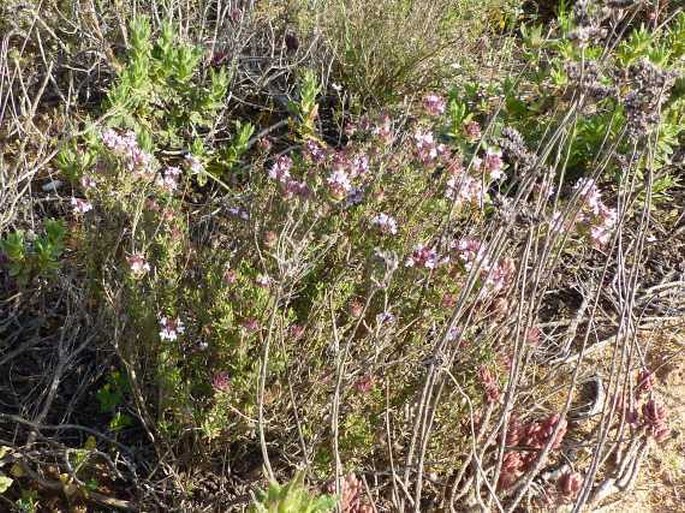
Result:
[
  {"x": 655, "y": 419},
  {"x": 427, "y": 149},
  {"x": 280, "y": 170},
  {"x": 221, "y": 381},
  {"x": 194, "y": 164},
  {"x": 125, "y": 146},
  {"x": 170, "y": 328},
  {"x": 169, "y": 179},
  {"x": 596, "y": 218},
  {"x": 569, "y": 484},
  {"x": 434, "y": 104},
  {"x": 350, "y": 495},
  {"x": 490, "y": 385},
  {"x": 139, "y": 266},
  {"x": 463, "y": 189},
  {"x": 339, "y": 183},
  {"x": 643, "y": 102},
  {"x": 385, "y": 223},
  {"x": 534, "y": 436},
  {"x": 422, "y": 256}
]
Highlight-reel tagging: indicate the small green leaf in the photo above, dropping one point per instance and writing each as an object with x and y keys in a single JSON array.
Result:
[{"x": 5, "y": 483}]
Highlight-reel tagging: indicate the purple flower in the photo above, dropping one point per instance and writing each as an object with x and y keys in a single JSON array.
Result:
[
  {"x": 434, "y": 104},
  {"x": 422, "y": 256},
  {"x": 427, "y": 149},
  {"x": 295, "y": 188},
  {"x": 136, "y": 160},
  {"x": 385, "y": 317},
  {"x": 359, "y": 165},
  {"x": 385, "y": 223},
  {"x": 170, "y": 328},
  {"x": 280, "y": 170},
  {"x": 239, "y": 212},
  {"x": 81, "y": 206},
  {"x": 590, "y": 194},
  {"x": 314, "y": 151},
  {"x": 383, "y": 129},
  {"x": 339, "y": 183},
  {"x": 472, "y": 131},
  {"x": 471, "y": 251}
]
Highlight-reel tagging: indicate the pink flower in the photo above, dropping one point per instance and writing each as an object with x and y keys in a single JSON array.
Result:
[
  {"x": 136, "y": 160},
  {"x": 138, "y": 264},
  {"x": 569, "y": 484},
  {"x": 81, "y": 206},
  {"x": 434, "y": 104},
  {"x": 251, "y": 325},
  {"x": 383, "y": 129},
  {"x": 230, "y": 276},
  {"x": 314, "y": 151},
  {"x": 221, "y": 381},
  {"x": 385, "y": 223},
  {"x": 422, "y": 256},
  {"x": 471, "y": 251},
  {"x": 280, "y": 170},
  {"x": 472, "y": 131},
  {"x": 427, "y": 149},
  {"x": 296, "y": 331},
  {"x": 645, "y": 382},
  {"x": 364, "y": 384},
  {"x": 296, "y": 188},
  {"x": 655, "y": 418},
  {"x": 170, "y": 328},
  {"x": 604, "y": 224},
  {"x": 590, "y": 194},
  {"x": 500, "y": 275},
  {"x": 493, "y": 165},
  {"x": 463, "y": 189},
  {"x": 490, "y": 384},
  {"x": 359, "y": 165}
]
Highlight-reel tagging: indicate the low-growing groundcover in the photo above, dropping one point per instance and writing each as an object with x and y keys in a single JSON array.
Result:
[{"x": 237, "y": 276}]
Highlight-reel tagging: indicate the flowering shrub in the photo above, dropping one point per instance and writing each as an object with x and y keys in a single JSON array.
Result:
[{"x": 421, "y": 287}]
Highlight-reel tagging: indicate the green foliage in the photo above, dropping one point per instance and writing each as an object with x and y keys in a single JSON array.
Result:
[
  {"x": 161, "y": 87},
  {"x": 39, "y": 257},
  {"x": 292, "y": 497}
]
